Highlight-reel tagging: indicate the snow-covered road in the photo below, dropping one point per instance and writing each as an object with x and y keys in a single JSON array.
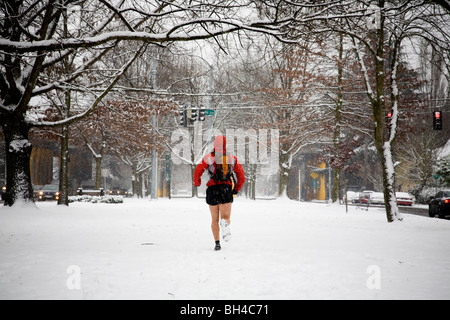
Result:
[{"x": 163, "y": 249}]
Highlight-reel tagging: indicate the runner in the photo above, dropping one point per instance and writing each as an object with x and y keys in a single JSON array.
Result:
[{"x": 222, "y": 186}]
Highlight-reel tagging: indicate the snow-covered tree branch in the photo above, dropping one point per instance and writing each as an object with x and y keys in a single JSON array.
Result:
[{"x": 37, "y": 38}]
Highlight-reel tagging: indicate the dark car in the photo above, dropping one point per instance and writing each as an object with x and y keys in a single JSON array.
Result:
[
  {"x": 116, "y": 191},
  {"x": 48, "y": 192},
  {"x": 440, "y": 204}
]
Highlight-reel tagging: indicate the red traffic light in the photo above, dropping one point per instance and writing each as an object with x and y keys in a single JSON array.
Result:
[{"x": 437, "y": 120}]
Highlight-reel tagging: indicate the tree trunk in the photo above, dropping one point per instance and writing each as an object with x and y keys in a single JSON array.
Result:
[
  {"x": 253, "y": 181},
  {"x": 137, "y": 178},
  {"x": 98, "y": 173},
  {"x": 383, "y": 138},
  {"x": 285, "y": 168},
  {"x": 385, "y": 153},
  {"x": 64, "y": 159},
  {"x": 64, "y": 168},
  {"x": 18, "y": 152},
  {"x": 383, "y": 142},
  {"x": 390, "y": 200},
  {"x": 337, "y": 122},
  {"x": 336, "y": 191}
]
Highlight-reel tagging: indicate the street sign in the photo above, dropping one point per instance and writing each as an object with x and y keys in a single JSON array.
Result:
[{"x": 209, "y": 112}]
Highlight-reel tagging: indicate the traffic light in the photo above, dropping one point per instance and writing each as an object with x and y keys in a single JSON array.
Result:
[
  {"x": 437, "y": 120},
  {"x": 389, "y": 117},
  {"x": 389, "y": 122},
  {"x": 201, "y": 115},
  {"x": 182, "y": 116},
  {"x": 193, "y": 116}
]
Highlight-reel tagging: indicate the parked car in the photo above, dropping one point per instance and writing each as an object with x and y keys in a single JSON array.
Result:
[
  {"x": 48, "y": 192},
  {"x": 404, "y": 199},
  {"x": 377, "y": 198},
  {"x": 352, "y": 197},
  {"x": 440, "y": 204},
  {"x": 365, "y": 196}
]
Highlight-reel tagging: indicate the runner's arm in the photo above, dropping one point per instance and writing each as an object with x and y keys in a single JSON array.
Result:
[
  {"x": 198, "y": 172},
  {"x": 239, "y": 175}
]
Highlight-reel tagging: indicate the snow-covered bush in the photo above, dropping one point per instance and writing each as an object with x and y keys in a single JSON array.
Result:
[
  {"x": 94, "y": 199},
  {"x": 444, "y": 171},
  {"x": 423, "y": 196}
]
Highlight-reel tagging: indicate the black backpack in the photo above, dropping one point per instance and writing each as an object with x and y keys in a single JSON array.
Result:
[{"x": 224, "y": 170}]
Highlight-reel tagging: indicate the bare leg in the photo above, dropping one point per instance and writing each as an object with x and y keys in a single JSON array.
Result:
[
  {"x": 215, "y": 222},
  {"x": 225, "y": 212}
]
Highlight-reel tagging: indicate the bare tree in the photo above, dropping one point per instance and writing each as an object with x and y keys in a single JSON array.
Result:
[
  {"x": 378, "y": 31},
  {"x": 38, "y": 37},
  {"x": 34, "y": 43}
]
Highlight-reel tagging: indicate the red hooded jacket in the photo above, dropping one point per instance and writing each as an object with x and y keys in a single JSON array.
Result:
[{"x": 208, "y": 164}]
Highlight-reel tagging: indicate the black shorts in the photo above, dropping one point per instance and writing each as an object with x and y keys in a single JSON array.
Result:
[{"x": 219, "y": 194}]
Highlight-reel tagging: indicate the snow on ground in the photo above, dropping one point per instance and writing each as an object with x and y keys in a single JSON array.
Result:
[{"x": 163, "y": 249}]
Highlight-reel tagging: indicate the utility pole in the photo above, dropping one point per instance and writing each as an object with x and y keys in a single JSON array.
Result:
[{"x": 211, "y": 118}]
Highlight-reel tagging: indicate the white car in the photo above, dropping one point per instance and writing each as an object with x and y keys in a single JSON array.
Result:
[
  {"x": 377, "y": 198},
  {"x": 352, "y": 197},
  {"x": 404, "y": 198}
]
